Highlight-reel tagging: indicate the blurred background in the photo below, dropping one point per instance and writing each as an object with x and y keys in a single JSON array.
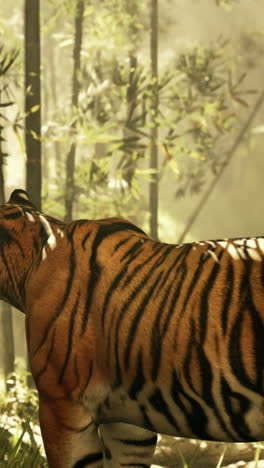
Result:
[{"x": 152, "y": 111}]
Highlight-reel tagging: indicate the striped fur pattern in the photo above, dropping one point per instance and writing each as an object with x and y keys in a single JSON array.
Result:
[{"x": 128, "y": 337}]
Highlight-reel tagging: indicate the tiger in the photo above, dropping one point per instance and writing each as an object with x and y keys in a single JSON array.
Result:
[{"x": 130, "y": 337}]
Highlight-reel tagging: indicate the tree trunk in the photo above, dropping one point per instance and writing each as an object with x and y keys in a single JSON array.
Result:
[
  {"x": 45, "y": 153},
  {"x": 70, "y": 161},
  {"x": 127, "y": 164},
  {"x": 33, "y": 106},
  {"x": 53, "y": 88},
  {"x": 153, "y": 189},
  {"x": 33, "y": 99}
]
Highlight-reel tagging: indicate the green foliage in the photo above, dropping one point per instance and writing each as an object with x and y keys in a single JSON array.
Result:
[
  {"x": 204, "y": 105},
  {"x": 8, "y": 59},
  {"x": 20, "y": 400},
  {"x": 198, "y": 105},
  {"x": 19, "y": 426},
  {"x": 15, "y": 453},
  {"x": 9, "y": 80},
  {"x": 199, "y": 101}
]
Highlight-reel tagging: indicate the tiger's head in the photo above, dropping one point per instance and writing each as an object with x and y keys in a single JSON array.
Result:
[{"x": 22, "y": 235}]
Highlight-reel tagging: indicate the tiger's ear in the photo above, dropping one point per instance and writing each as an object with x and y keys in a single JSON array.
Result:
[{"x": 20, "y": 197}]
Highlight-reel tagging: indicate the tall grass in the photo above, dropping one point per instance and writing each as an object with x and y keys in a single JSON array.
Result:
[{"x": 20, "y": 440}]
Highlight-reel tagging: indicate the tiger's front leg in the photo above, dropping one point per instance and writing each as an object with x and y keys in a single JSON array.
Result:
[
  {"x": 127, "y": 446},
  {"x": 68, "y": 442}
]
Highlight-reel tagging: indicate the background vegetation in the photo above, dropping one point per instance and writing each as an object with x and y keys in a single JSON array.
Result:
[{"x": 147, "y": 110}]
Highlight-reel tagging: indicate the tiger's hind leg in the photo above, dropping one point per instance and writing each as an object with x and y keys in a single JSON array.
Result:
[
  {"x": 127, "y": 446},
  {"x": 70, "y": 438}
]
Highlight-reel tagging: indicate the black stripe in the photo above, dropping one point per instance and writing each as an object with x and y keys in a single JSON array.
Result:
[
  {"x": 205, "y": 372},
  {"x": 137, "y": 465},
  {"x": 86, "y": 237},
  {"x": 207, "y": 288},
  {"x": 139, "y": 379},
  {"x": 84, "y": 428},
  {"x": 89, "y": 460},
  {"x": 246, "y": 248},
  {"x": 36, "y": 245},
  {"x": 156, "y": 335},
  {"x": 10, "y": 207},
  {"x": 124, "y": 227},
  {"x": 258, "y": 333},
  {"x": 52, "y": 220},
  {"x": 70, "y": 337},
  {"x": 237, "y": 417},
  {"x": 139, "y": 442},
  {"x": 236, "y": 345},
  {"x": 144, "y": 280},
  {"x": 142, "y": 265},
  {"x": 71, "y": 228},
  {"x": 122, "y": 242},
  {"x": 104, "y": 231},
  {"x": 50, "y": 351},
  {"x": 182, "y": 271},
  {"x": 195, "y": 415},
  {"x": 228, "y": 291},
  {"x": 136, "y": 255},
  {"x": 113, "y": 287},
  {"x": 244, "y": 287},
  {"x": 125, "y": 307},
  {"x": 7, "y": 238},
  {"x": 196, "y": 275},
  {"x": 132, "y": 250},
  {"x": 157, "y": 332},
  {"x": 39, "y": 243},
  {"x": 60, "y": 308},
  {"x": 107, "y": 453},
  {"x": 117, "y": 226},
  {"x": 136, "y": 319},
  {"x": 11, "y": 292},
  {"x": 15, "y": 215},
  {"x": 182, "y": 253},
  {"x": 236, "y": 350},
  {"x": 262, "y": 273},
  {"x": 8, "y": 270},
  {"x": 133, "y": 296},
  {"x": 160, "y": 405},
  {"x": 147, "y": 424}
]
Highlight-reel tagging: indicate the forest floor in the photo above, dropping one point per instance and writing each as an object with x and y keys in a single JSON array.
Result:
[{"x": 174, "y": 452}]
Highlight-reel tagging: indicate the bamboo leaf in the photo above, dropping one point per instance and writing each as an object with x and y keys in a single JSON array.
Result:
[{"x": 35, "y": 108}]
